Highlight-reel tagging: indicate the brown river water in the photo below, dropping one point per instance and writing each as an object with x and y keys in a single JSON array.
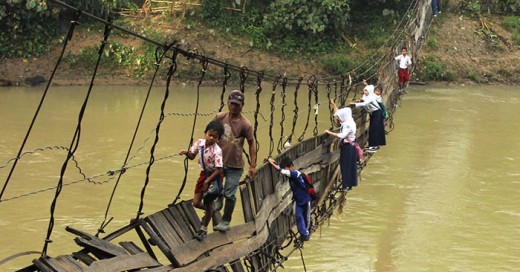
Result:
[{"x": 441, "y": 196}]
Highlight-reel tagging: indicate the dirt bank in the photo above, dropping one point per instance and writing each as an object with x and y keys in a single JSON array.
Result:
[{"x": 456, "y": 42}]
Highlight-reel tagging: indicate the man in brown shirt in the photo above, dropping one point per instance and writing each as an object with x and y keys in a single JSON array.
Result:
[{"x": 237, "y": 130}]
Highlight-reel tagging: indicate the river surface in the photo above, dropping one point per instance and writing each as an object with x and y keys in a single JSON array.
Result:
[{"x": 441, "y": 196}]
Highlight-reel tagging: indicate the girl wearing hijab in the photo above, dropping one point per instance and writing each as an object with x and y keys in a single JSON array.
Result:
[
  {"x": 347, "y": 157},
  {"x": 376, "y": 130}
]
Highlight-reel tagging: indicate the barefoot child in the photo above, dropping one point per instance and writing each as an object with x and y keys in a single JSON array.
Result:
[{"x": 210, "y": 162}]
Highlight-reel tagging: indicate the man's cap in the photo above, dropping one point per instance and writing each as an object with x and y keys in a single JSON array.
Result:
[{"x": 236, "y": 96}]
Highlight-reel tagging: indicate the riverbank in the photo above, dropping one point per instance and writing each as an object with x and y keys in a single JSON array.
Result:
[{"x": 461, "y": 49}]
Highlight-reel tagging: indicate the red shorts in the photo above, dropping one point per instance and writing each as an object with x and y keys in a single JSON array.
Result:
[
  {"x": 200, "y": 182},
  {"x": 403, "y": 75}
]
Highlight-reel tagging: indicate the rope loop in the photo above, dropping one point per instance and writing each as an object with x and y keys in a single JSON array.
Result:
[{"x": 244, "y": 74}]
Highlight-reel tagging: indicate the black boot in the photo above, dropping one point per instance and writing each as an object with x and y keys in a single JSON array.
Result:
[{"x": 226, "y": 218}]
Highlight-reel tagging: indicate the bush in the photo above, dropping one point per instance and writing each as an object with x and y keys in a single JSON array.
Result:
[
  {"x": 337, "y": 64},
  {"x": 434, "y": 69},
  {"x": 27, "y": 28}
]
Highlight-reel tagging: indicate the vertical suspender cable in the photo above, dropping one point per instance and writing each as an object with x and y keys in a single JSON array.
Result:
[
  {"x": 257, "y": 93},
  {"x": 158, "y": 60},
  {"x": 283, "y": 94},
  {"x": 227, "y": 76},
  {"x": 273, "y": 94},
  {"x": 203, "y": 72},
  {"x": 296, "y": 110},
  {"x": 171, "y": 71},
  {"x": 75, "y": 140},
  {"x": 73, "y": 24},
  {"x": 310, "y": 83}
]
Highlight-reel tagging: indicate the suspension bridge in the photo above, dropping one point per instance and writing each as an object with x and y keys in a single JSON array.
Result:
[{"x": 257, "y": 243}]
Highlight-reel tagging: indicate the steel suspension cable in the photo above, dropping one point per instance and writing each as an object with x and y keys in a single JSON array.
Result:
[
  {"x": 271, "y": 115},
  {"x": 201, "y": 78},
  {"x": 171, "y": 71},
  {"x": 70, "y": 33},
  {"x": 310, "y": 83},
  {"x": 75, "y": 140},
  {"x": 227, "y": 76},
  {"x": 283, "y": 95},
  {"x": 158, "y": 60},
  {"x": 257, "y": 93},
  {"x": 295, "y": 116}
]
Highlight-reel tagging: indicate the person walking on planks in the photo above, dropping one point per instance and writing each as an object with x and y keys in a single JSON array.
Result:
[
  {"x": 210, "y": 162},
  {"x": 237, "y": 130},
  {"x": 404, "y": 63},
  {"x": 302, "y": 210},
  {"x": 347, "y": 157}
]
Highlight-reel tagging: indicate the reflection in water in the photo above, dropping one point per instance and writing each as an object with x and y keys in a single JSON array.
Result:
[{"x": 441, "y": 196}]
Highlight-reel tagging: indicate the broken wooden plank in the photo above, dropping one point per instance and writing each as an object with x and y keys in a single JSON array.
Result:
[
  {"x": 192, "y": 250},
  {"x": 100, "y": 248},
  {"x": 84, "y": 257},
  {"x": 123, "y": 263},
  {"x": 131, "y": 247},
  {"x": 42, "y": 266},
  {"x": 272, "y": 207}
]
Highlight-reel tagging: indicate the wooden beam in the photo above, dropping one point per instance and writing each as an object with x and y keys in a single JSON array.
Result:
[
  {"x": 272, "y": 206},
  {"x": 123, "y": 263}
]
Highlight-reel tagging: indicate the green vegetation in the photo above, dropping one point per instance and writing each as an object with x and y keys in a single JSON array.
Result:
[
  {"x": 27, "y": 28},
  {"x": 512, "y": 23},
  {"x": 434, "y": 69}
]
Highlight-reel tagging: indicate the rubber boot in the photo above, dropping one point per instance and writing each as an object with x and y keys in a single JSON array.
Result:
[{"x": 226, "y": 218}]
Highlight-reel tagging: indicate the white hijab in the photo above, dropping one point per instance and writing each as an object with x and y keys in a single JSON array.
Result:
[{"x": 348, "y": 125}]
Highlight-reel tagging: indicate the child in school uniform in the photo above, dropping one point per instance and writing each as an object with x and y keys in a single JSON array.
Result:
[
  {"x": 404, "y": 62},
  {"x": 347, "y": 158},
  {"x": 210, "y": 162},
  {"x": 301, "y": 197},
  {"x": 376, "y": 129}
]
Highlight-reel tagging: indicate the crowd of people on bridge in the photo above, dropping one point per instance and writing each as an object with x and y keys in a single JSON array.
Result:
[{"x": 221, "y": 161}]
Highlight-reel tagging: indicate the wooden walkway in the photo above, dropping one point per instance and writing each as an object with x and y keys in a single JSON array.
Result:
[{"x": 268, "y": 213}]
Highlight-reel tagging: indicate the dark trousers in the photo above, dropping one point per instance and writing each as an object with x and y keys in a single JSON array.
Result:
[
  {"x": 376, "y": 130},
  {"x": 348, "y": 165},
  {"x": 435, "y": 6}
]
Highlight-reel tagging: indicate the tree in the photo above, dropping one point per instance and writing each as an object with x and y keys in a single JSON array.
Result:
[{"x": 307, "y": 16}]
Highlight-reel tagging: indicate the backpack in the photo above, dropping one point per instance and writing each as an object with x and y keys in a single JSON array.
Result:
[
  {"x": 310, "y": 187},
  {"x": 383, "y": 108}
]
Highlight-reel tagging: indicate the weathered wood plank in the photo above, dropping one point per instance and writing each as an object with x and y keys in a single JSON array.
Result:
[
  {"x": 131, "y": 247},
  {"x": 84, "y": 257},
  {"x": 247, "y": 205},
  {"x": 190, "y": 214},
  {"x": 194, "y": 249},
  {"x": 236, "y": 266},
  {"x": 42, "y": 266},
  {"x": 156, "y": 240},
  {"x": 163, "y": 228},
  {"x": 123, "y": 263},
  {"x": 181, "y": 224},
  {"x": 272, "y": 207},
  {"x": 178, "y": 212},
  {"x": 99, "y": 247}
]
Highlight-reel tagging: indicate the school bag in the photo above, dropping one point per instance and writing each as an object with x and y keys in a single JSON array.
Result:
[
  {"x": 383, "y": 108},
  {"x": 310, "y": 187}
]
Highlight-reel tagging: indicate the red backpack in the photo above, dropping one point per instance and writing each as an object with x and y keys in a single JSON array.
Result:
[{"x": 310, "y": 187}]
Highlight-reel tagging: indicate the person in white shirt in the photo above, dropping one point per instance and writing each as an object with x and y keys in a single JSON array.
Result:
[
  {"x": 404, "y": 62},
  {"x": 347, "y": 159},
  {"x": 376, "y": 130}
]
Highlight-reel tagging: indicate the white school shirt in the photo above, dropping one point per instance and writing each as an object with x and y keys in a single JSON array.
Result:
[
  {"x": 404, "y": 61},
  {"x": 369, "y": 103}
]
